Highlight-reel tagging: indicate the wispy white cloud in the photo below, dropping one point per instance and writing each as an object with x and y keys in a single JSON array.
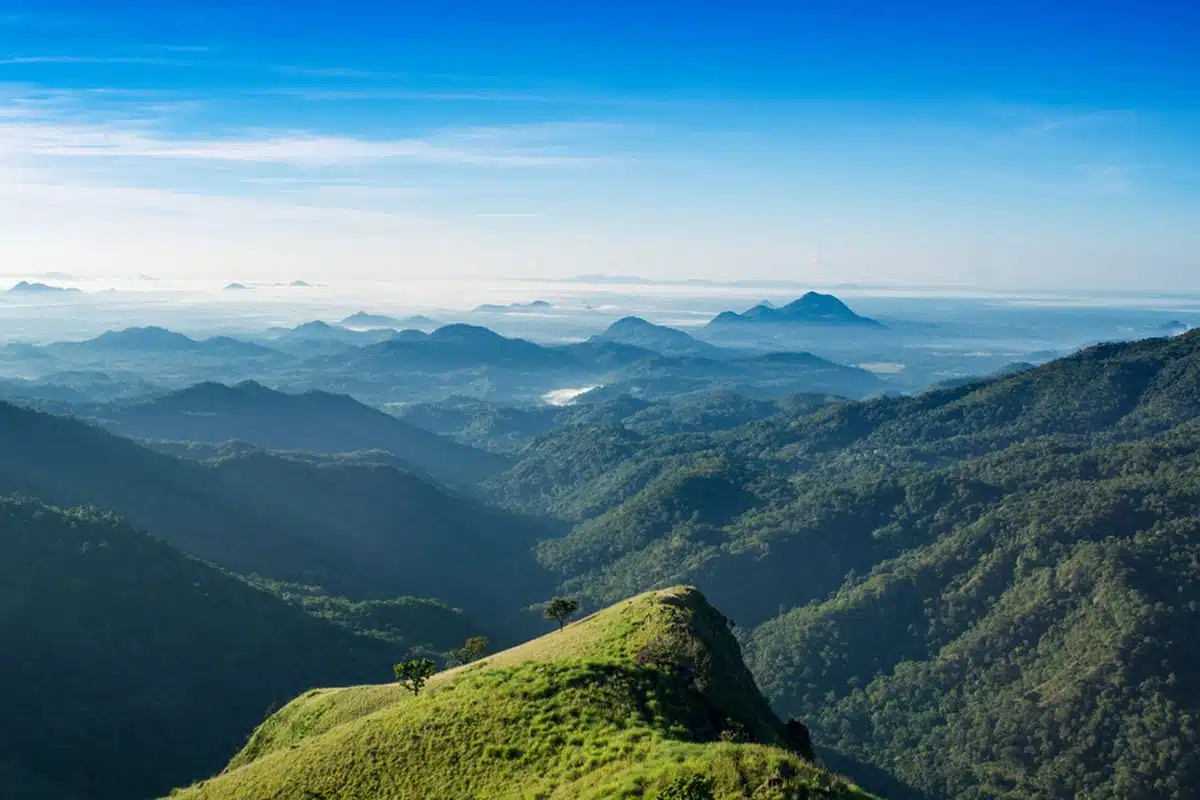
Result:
[
  {"x": 406, "y": 94},
  {"x": 22, "y": 19},
  {"x": 50, "y": 185},
  {"x": 393, "y": 93},
  {"x": 361, "y": 191},
  {"x": 334, "y": 72},
  {"x": 18, "y": 112},
  {"x": 120, "y": 178},
  {"x": 133, "y": 151},
  {"x": 184, "y": 48},
  {"x": 39, "y": 123},
  {"x": 297, "y": 150},
  {"x": 142, "y": 60},
  {"x": 509, "y": 214}
]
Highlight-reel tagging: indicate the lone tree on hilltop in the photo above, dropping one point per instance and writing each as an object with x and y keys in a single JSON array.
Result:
[
  {"x": 414, "y": 672},
  {"x": 560, "y": 609}
]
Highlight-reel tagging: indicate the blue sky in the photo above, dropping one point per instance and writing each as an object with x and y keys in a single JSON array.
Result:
[{"x": 1015, "y": 144}]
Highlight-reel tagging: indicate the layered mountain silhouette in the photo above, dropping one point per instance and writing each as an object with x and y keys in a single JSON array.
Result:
[
  {"x": 316, "y": 421},
  {"x": 536, "y": 305},
  {"x": 363, "y": 319},
  {"x": 456, "y": 353},
  {"x": 160, "y": 341},
  {"x": 813, "y": 308},
  {"x": 33, "y": 287},
  {"x": 460, "y": 345},
  {"x": 318, "y": 338},
  {"x": 351, "y": 525},
  {"x": 659, "y": 338}
]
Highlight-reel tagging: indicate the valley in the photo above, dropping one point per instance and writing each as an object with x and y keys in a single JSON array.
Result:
[{"x": 967, "y": 570}]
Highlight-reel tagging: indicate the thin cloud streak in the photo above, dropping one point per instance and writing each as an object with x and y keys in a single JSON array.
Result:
[
  {"x": 183, "y": 48},
  {"x": 483, "y": 96},
  {"x": 139, "y": 60},
  {"x": 299, "y": 150},
  {"x": 509, "y": 214},
  {"x": 17, "y": 19},
  {"x": 405, "y": 94},
  {"x": 47, "y": 125},
  {"x": 139, "y": 206},
  {"x": 333, "y": 72}
]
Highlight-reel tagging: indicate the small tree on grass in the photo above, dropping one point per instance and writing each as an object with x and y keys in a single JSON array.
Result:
[
  {"x": 560, "y": 609},
  {"x": 472, "y": 650},
  {"x": 475, "y": 648},
  {"x": 414, "y": 672}
]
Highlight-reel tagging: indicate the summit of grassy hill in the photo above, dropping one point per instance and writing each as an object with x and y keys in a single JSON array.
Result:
[{"x": 648, "y": 698}]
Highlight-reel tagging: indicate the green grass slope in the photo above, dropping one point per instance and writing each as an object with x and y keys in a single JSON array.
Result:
[{"x": 618, "y": 705}]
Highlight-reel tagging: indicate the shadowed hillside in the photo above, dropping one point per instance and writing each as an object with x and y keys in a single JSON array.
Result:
[
  {"x": 316, "y": 421},
  {"x": 129, "y": 667},
  {"x": 361, "y": 530}
]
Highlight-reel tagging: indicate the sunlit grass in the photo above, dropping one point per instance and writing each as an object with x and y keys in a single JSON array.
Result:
[{"x": 614, "y": 706}]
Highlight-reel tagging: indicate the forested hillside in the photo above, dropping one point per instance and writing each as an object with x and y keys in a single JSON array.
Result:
[
  {"x": 508, "y": 429},
  {"x": 315, "y": 421},
  {"x": 358, "y": 529},
  {"x": 1038, "y": 643},
  {"x": 129, "y": 667},
  {"x": 944, "y": 584},
  {"x": 980, "y": 591}
]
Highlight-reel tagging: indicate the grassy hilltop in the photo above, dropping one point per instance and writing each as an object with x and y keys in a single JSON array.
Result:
[{"x": 625, "y": 703}]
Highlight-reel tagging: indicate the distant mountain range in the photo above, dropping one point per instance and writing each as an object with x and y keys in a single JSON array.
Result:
[
  {"x": 27, "y": 287},
  {"x": 460, "y": 346},
  {"x": 668, "y": 341},
  {"x": 23, "y": 351},
  {"x": 319, "y": 338},
  {"x": 364, "y": 320},
  {"x": 461, "y": 357},
  {"x": 536, "y": 305},
  {"x": 319, "y": 329},
  {"x": 383, "y": 366},
  {"x": 158, "y": 340},
  {"x": 813, "y": 308}
]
